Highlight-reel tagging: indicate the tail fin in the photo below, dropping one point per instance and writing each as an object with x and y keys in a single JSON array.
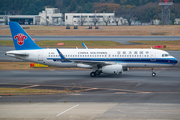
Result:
[{"x": 22, "y": 41}]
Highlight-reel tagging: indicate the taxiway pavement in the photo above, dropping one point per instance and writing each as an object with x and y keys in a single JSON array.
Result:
[{"x": 133, "y": 96}]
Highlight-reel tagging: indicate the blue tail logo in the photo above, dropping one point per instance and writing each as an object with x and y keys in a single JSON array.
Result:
[
  {"x": 20, "y": 38},
  {"x": 22, "y": 41}
]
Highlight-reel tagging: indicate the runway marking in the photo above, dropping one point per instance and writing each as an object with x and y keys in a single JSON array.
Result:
[
  {"x": 29, "y": 86},
  {"x": 67, "y": 110}
]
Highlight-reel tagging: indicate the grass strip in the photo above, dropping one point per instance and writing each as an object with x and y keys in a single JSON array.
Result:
[
  {"x": 170, "y": 45},
  {"x": 19, "y": 91}
]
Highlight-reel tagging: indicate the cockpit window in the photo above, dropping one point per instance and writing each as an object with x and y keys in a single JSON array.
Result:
[{"x": 165, "y": 55}]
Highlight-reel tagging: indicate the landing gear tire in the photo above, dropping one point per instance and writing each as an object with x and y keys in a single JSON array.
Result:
[
  {"x": 97, "y": 72},
  {"x": 93, "y": 74},
  {"x": 153, "y": 74}
]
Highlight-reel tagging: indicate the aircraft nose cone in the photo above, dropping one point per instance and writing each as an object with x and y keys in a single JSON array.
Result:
[{"x": 175, "y": 61}]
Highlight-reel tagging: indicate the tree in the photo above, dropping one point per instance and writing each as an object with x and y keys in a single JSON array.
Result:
[
  {"x": 116, "y": 20},
  {"x": 80, "y": 10},
  {"x": 66, "y": 2},
  {"x": 106, "y": 19},
  {"x": 95, "y": 20},
  {"x": 127, "y": 12},
  {"x": 145, "y": 13},
  {"x": 73, "y": 6},
  {"x": 88, "y": 7},
  {"x": 105, "y": 7},
  {"x": 59, "y": 4},
  {"x": 81, "y": 20}
]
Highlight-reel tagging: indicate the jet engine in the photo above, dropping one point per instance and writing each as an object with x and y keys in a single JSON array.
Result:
[{"x": 112, "y": 69}]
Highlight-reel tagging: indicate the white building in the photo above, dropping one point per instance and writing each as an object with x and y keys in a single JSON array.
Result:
[
  {"x": 51, "y": 16},
  {"x": 177, "y": 21},
  {"x": 3, "y": 19},
  {"x": 89, "y": 18},
  {"x": 24, "y": 19},
  {"x": 156, "y": 22}
]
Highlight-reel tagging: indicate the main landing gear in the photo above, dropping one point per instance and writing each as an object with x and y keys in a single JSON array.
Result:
[
  {"x": 153, "y": 73},
  {"x": 97, "y": 72}
]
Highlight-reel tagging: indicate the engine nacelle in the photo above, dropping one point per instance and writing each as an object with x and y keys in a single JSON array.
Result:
[{"x": 112, "y": 69}]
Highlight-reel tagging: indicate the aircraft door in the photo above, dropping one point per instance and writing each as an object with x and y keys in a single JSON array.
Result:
[
  {"x": 153, "y": 56},
  {"x": 40, "y": 56}
]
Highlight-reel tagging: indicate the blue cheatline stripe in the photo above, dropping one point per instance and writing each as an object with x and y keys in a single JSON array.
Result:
[{"x": 124, "y": 60}]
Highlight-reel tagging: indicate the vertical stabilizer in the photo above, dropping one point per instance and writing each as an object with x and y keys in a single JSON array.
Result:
[{"x": 22, "y": 41}]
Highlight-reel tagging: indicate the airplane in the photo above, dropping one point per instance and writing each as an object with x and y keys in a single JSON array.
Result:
[{"x": 107, "y": 61}]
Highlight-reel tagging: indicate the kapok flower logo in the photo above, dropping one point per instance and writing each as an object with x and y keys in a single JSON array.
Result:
[{"x": 20, "y": 38}]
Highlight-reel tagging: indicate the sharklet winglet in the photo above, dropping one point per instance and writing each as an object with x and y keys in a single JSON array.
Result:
[
  {"x": 61, "y": 55},
  {"x": 84, "y": 46}
]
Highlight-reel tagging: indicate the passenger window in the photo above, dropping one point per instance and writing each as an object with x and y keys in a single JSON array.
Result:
[{"x": 162, "y": 55}]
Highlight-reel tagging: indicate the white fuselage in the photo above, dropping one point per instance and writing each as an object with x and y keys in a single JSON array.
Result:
[{"x": 125, "y": 57}]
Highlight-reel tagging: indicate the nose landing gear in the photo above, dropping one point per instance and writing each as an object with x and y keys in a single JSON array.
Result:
[{"x": 153, "y": 73}]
